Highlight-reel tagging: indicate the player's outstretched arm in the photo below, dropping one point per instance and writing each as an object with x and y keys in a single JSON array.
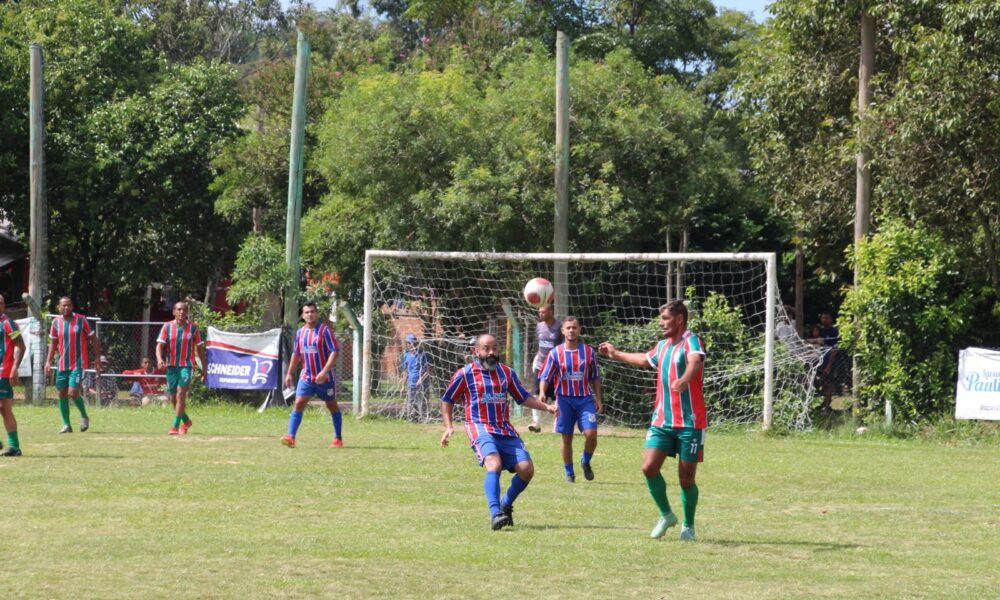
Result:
[
  {"x": 449, "y": 429},
  {"x": 636, "y": 359}
]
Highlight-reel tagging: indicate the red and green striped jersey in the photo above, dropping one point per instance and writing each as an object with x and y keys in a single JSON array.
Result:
[
  {"x": 72, "y": 339},
  {"x": 673, "y": 409},
  {"x": 8, "y": 333},
  {"x": 180, "y": 343}
]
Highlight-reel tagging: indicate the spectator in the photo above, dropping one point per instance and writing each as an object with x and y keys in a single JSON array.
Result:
[
  {"x": 108, "y": 386},
  {"x": 143, "y": 387},
  {"x": 828, "y": 337},
  {"x": 418, "y": 370}
]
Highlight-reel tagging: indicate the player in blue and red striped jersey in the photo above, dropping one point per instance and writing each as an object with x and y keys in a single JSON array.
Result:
[
  {"x": 181, "y": 340},
  {"x": 679, "y": 416},
  {"x": 316, "y": 349},
  {"x": 482, "y": 388},
  {"x": 11, "y": 352},
  {"x": 70, "y": 334},
  {"x": 571, "y": 370}
]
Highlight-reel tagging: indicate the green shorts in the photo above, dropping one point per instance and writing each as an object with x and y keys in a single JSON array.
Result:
[
  {"x": 178, "y": 377},
  {"x": 69, "y": 379},
  {"x": 687, "y": 442},
  {"x": 6, "y": 391}
]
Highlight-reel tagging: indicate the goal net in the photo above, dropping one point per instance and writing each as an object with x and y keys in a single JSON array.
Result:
[{"x": 754, "y": 371}]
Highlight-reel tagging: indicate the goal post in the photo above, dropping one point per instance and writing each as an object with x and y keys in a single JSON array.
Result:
[{"x": 444, "y": 299}]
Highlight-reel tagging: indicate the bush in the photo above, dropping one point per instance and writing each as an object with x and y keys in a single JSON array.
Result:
[{"x": 904, "y": 321}]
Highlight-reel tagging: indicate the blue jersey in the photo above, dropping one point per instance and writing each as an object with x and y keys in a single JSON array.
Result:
[
  {"x": 314, "y": 347},
  {"x": 484, "y": 396},
  {"x": 571, "y": 372},
  {"x": 416, "y": 364}
]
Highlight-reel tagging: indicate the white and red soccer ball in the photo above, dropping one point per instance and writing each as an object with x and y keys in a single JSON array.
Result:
[{"x": 538, "y": 292}]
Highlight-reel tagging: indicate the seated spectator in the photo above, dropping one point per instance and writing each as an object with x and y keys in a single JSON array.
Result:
[
  {"x": 145, "y": 386},
  {"x": 109, "y": 386}
]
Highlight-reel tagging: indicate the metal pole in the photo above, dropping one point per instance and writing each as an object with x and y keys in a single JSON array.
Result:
[
  {"x": 295, "y": 166},
  {"x": 366, "y": 357},
  {"x": 772, "y": 286},
  {"x": 356, "y": 351},
  {"x": 863, "y": 191},
  {"x": 39, "y": 218},
  {"x": 560, "y": 238}
]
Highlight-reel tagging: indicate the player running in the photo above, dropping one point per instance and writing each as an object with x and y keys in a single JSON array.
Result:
[
  {"x": 11, "y": 352},
  {"x": 181, "y": 339},
  {"x": 571, "y": 369},
  {"x": 482, "y": 387},
  {"x": 679, "y": 416},
  {"x": 316, "y": 348},
  {"x": 70, "y": 334}
]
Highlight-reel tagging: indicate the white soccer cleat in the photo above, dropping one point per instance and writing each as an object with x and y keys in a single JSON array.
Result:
[
  {"x": 666, "y": 522},
  {"x": 687, "y": 533}
]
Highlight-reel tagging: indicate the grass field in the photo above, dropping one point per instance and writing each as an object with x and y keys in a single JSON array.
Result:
[{"x": 124, "y": 511}]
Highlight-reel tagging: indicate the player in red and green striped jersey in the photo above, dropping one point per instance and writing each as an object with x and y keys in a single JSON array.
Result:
[
  {"x": 70, "y": 335},
  {"x": 180, "y": 340},
  {"x": 679, "y": 417},
  {"x": 11, "y": 351}
]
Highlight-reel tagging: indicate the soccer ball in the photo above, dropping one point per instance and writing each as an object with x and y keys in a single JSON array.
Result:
[{"x": 538, "y": 292}]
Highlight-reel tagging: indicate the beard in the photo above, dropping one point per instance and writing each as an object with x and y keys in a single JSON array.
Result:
[{"x": 489, "y": 363}]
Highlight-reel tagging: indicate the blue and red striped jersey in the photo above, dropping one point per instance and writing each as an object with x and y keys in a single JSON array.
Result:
[
  {"x": 570, "y": 372},
  {"x": 483, "y": 395},
  {"x": 313, "y": 346},
  {"x": 180, "y": 342},
  {"x": 72, "y": 338}
]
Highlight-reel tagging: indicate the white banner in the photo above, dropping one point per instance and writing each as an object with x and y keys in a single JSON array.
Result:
[
  {"x": 977, "y": 395},
  {"x": 243, "y": 361},
  {"x": 29, "y": 333}
]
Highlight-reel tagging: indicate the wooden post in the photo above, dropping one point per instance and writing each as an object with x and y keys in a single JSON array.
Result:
[{"x": 39, "y": 218}]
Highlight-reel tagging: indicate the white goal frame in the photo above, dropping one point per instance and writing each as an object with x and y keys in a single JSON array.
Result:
[{"x": 768, "y": 258}]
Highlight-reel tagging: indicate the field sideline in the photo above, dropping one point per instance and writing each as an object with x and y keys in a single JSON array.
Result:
[{"x": 124, "y": 511}]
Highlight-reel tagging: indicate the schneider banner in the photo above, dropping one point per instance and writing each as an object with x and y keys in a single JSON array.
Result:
[
  {"x": 978, "y": 393},
  {"x": 243, "y": 361}
]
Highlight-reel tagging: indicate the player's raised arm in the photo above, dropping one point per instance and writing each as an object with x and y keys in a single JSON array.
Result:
[{"x": 636, "y": 359}]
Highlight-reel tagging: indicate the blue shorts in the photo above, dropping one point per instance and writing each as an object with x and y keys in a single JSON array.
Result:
[
  {"x": 576, "y": 410},
  {"x": 323, "y": 391},
  {"x": 510, "y": 448}
]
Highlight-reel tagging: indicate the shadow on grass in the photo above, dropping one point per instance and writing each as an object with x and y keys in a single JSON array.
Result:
[
  {"x": 817, "y": 546},
  {"x": 583, "y": 527}
]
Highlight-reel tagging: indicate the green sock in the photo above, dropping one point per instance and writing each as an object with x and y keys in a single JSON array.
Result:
[
  {"x": 12, "y": 440},
  {"x": 689, "y": 498},
  {"x": 177, "y": 421},
  {"x": 658, "y": 490},
  {"x": 64, "y": 410},
  {"x": 185, "y": 417},
  {"x": 78, "y": 401}
]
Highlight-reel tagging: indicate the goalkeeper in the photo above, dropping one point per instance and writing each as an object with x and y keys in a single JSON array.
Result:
[
  {"x": 482, "y": 387},
  {"x": 679, "y": 416}
]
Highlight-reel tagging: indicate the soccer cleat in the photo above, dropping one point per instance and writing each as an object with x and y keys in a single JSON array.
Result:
[
  {"x": 288, "y": 441},
  {"x": 337, "y": 443},
  {"x": 508, "y": 509},
  {"x": 12, "y": 451},
  {"x": 588, "y": 473},
  {"x": 535, "y": 427},
  {"x": 571, "y": 479},
  {"x": 687, "y": 533},
  {"x": 66, "y": 429},
  {"x": 173, "y": 431},
  {"x": 666, "y": 522},
  {"x": 499, "y": 521},
  {"x": 84, "y": 424},
  {"x": 185, "y": 426}
]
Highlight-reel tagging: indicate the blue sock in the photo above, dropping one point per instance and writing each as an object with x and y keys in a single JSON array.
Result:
[
  {"x": 294, "y": 420},
  {"x": 585, "y": 459},
  {"x": 569, "y": 469},
  {"x": 491, "y": 487},
  {"x": 517, "y": 486},
  {"x": 338, "y": 422}
]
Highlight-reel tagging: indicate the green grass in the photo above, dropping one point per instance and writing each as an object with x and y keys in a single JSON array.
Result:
[{"x": 124, "y": 511}]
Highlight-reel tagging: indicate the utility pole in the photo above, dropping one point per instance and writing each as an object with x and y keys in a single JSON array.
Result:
[
  {"x": 39, "y": 221},
  {"x": 560, "y": 239},
  {"x": 295, "y": 168},
  {"x": 863, "y": 193}
]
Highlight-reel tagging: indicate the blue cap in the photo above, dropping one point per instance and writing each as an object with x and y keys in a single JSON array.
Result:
[{"x": 411, "y": 339}]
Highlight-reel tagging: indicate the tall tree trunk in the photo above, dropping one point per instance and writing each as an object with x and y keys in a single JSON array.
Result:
[{"x": 991, "y": 249}]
